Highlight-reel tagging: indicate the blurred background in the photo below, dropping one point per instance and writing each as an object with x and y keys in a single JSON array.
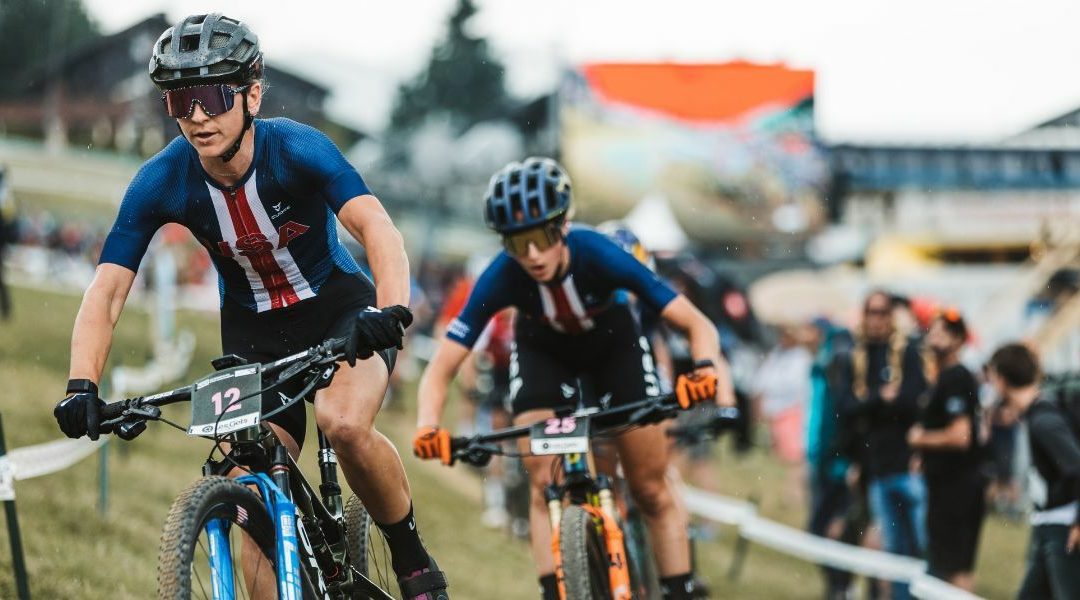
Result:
[{"x": 779, "y": 159}]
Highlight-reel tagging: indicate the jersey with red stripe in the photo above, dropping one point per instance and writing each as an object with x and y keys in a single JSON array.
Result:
[
  {"x": 272, "y": 236},
  {"x": 598, "y": 269}
]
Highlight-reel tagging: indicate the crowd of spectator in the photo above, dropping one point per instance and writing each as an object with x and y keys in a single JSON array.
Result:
[{"x": 903, "y": 446}]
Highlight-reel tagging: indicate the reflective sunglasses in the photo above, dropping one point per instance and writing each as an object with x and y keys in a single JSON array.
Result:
[
  {"x": 544, "y": 237},
  {"x": 215, "y": 99}
]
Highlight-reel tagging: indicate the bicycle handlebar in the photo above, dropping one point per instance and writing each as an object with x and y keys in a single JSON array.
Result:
[
  {"x": 478, "y": 449},
  {"x": 139, "y": 407}
]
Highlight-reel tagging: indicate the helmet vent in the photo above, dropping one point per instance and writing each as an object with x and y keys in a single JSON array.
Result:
[
  {"x": 189, "y": 43},
  {"x": 241, "y": 51},
  {"x": 219, "y": 40}
]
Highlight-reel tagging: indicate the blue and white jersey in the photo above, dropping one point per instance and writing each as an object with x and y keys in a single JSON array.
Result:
[
  {"x": 598, "y": 269},
  {"x": 273, "y": 236}
]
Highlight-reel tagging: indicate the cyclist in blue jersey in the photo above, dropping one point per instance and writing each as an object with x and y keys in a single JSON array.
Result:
[
  {"x": 264, "y": 197},
  {"x": 563, "y": 281}
]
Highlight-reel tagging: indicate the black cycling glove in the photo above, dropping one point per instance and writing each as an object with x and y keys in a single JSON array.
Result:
[
  {"x": 376, "y": 330},
  {"x": 80, "y": 413}
]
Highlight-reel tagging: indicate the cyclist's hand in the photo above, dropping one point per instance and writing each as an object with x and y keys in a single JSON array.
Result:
[
  {"x": 433, "y": 442},
  {"x": 375, "y": 330},
  {"x": 79, "y": 414},
  {"x": 696, "y": 387}
]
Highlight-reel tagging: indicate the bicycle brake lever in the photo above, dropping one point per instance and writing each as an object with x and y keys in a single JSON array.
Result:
[{"x": 130, "y": 430}]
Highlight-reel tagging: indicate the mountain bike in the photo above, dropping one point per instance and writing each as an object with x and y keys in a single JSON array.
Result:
[
  {"x": 588, "y": 530},
  {"x": 316, "y": 545}
]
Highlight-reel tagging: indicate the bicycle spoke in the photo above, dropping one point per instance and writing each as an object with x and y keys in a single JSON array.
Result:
[
  {"x": 194, "y": 570},
  {"x": 238, "y": 569}
]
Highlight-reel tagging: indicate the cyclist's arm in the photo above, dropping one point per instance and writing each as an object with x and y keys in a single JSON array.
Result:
[
  {"x": 704, "y": 342},
  {"x": 366, "y": 219},
  {"x": 100, "y": 310},
  {"x": 435, "y": 382}
]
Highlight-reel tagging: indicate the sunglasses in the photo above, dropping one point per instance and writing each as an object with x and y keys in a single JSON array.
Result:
[
  {"x": 517, "y": 244},
  {"x": 215, "y": 99},
  {"x": 878, "y": 312}
]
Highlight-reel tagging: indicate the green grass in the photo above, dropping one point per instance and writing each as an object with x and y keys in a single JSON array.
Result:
[{"x": 73, "y": 552}]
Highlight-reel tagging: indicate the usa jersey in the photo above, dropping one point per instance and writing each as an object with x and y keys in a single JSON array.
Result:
[
  {"x": 272, "y": 236},
  {"x": 598, "y": 269}
]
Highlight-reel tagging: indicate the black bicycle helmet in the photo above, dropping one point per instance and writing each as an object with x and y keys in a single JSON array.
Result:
[
  {"x": 527, "y": 194},
  {"x": 204, "y": 49},
  {"x": 208, "y": 49}
]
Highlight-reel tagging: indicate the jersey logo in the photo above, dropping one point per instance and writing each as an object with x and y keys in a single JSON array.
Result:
[
  {"x": 279, "y": 209},
  {"x": 256, "y": 243}
]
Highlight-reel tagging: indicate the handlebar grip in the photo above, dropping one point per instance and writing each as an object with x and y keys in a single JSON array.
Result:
[
  {"x": 113, "y": 410},
  {"x": 458, "y": 444}
]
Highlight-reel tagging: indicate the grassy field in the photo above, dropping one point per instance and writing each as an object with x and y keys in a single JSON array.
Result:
[{"x": 74, "y": 552}]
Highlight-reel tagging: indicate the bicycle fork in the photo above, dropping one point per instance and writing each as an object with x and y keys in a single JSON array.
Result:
[
  {"x": 614, "y": 542},
  {"x": 275, "y": 493}
]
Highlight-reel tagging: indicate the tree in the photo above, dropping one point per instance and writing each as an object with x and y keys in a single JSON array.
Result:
[
  {"x": 35, "y": 33},
  {"x": 463, "y": 81}
]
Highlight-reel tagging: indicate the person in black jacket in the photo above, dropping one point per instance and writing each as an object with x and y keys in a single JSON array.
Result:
[
  {"x": 1053, "y": 569},
  {"x": 947, "y": 436},
  {"x": 878, "y": 386}
]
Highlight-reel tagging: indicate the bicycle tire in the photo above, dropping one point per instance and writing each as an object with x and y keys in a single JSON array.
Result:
[
  {"x": 584, "y": 556},
  {"x": 206, "y": 498},
  {"x": 357, "y": 527},
  {"x": 369, "y": 553}
]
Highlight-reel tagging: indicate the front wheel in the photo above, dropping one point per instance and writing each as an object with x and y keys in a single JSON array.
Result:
[
  {"x": 584, "y": 556},
  {"x": 200, "y": 554}
]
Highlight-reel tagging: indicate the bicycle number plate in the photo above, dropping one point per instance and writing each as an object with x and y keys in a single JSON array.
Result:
[
  {"x": 226, "y": 401},
  {"x": 560, "y": 435}
]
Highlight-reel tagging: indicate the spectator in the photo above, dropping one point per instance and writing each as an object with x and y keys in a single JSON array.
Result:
[
  {"x": 829, "y": 493},
  {"x": 878, "y": 385},
  {"x": 1053, "y": 563},
  {"x": 948, "y": 438},
  {"x": 781, "y": 392}
]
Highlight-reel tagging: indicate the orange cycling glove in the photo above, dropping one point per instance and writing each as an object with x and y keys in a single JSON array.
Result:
[
  {"x": 692, "y": 388},
  {"x": 433, "y": 442}
]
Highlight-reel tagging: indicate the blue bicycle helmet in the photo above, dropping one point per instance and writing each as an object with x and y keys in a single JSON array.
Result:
[{"x": 527, "y": 194}]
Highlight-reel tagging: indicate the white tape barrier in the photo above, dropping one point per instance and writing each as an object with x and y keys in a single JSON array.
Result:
[
  {"x": 819, "y": 550},
  {"x": 41, "y": 459},
  {"x": 34, "y": 461}
]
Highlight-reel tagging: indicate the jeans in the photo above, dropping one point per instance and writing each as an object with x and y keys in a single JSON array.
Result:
[
  {"x": 899, "y": 506},
  {"x": 829, "y": 501},
  {"x": 1051, "y": 573}
]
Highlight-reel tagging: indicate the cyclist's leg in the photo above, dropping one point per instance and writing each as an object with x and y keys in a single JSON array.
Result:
[
  {"x": 537, "y": 382},
  {"x": 540, "y": 469},
  {"x": 627, "y": 372},
  {"x": 645, "y": 469}
]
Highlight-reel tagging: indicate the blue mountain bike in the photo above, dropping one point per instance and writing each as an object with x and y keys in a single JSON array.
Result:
[{"x": 296, "y": 543}]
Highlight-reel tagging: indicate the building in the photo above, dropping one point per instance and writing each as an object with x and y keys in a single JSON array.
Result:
[{"x": 100, "y": 96}]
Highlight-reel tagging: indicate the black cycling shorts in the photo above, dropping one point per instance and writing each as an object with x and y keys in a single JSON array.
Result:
[
  {"x": 613, "y": 356},
  {"x": 266, "y": 336}
]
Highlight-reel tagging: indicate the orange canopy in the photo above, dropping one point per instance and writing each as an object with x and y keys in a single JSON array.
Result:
[{"x": 707, "y": 93}]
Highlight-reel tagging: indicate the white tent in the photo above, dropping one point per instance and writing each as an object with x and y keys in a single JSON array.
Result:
[{"x": 653, "y": 221}]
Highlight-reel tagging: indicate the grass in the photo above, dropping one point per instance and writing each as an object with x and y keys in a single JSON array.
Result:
[{"x": 74, "y": 552}]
